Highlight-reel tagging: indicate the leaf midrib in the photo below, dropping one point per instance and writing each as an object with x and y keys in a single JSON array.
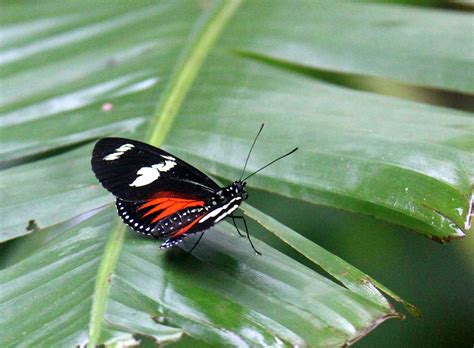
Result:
[{"x": 208, "y": 29}]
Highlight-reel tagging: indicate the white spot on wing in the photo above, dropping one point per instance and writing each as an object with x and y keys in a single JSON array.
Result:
[
  {"x": 164, "y": 167},
  {"x": 146, "y": 175},
  {"x": 119, "y": 152}
]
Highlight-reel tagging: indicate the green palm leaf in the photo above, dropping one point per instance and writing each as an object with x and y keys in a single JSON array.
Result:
[{"x": 199, "y": 78}]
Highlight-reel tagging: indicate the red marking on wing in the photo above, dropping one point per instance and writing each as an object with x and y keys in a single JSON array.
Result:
[
  {"x": 159, "y": 207},
  {"x": 168, "y": 206},
  {"x": 171, "y": 210},
  {"x": 186, "y": 229}
]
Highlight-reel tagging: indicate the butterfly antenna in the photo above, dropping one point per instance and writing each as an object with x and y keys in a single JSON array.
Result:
[
  {"x": 251, "y": 148},
  {"x": 266, "y": 165}
]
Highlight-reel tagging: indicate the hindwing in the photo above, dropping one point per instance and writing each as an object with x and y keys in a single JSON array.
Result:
[{"x": 162, "y": 217}]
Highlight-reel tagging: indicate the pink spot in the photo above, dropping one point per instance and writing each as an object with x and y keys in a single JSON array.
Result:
[{"x": 107, "y": 107}]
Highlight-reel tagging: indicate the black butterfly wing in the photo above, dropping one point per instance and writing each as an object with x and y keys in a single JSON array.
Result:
[{"x": 135, "y": 171}]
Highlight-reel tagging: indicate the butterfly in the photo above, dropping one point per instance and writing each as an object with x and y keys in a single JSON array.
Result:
[{"x": 159, "y": 195}]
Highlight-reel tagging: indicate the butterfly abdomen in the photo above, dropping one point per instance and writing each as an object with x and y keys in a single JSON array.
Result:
[{"x": 179, "y": 223}]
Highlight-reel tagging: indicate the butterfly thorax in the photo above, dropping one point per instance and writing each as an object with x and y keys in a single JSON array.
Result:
[
  {"x": 224, "y": 202},
  {"x": 233, "y": 194}
]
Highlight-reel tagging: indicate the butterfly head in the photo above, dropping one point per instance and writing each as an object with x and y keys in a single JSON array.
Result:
[
  {"x": 236, "y": 189},
  {"x": 239, "y": 189}
]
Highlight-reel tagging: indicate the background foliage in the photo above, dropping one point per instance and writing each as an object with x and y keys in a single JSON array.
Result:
[{"x": 199, "y": 77}]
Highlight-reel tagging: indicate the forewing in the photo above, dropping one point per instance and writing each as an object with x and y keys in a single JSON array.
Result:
[{"x": 135, "y": 171}]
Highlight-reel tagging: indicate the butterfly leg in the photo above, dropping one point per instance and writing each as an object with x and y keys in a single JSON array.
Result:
[
  {"x": 235, "y": 224},
  {"x": 247, "y": 232},
  {"x": 195, "y": 244}
]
